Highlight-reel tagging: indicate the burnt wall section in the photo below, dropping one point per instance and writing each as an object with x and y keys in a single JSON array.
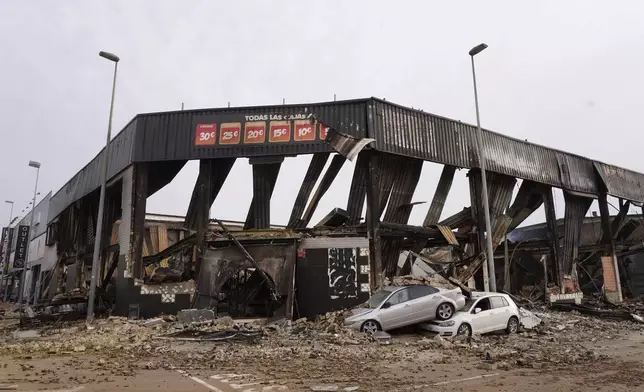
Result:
[
  {"x": 264, "y": 180},
  {"x": 405, "y": 174},
  {"x": 220, "y": 264},
  {"x": 332, "y": 274}
]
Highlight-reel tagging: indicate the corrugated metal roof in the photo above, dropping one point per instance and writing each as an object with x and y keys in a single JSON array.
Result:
[
  {"x": 397, "y": 129},
  {"x": 89, "y": 177},
  {"x": 621, "y": 182},
  {"x": 410, "y": 132}
]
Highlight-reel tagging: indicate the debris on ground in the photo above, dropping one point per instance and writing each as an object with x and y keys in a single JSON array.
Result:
[
  {"x": 549, "y": 340},
  {"x": 192, "y": 316}
]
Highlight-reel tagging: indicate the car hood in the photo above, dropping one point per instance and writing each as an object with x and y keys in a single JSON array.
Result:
[
  {"x": 461, "y": 316},
  {"x": 359, "y": 312}
]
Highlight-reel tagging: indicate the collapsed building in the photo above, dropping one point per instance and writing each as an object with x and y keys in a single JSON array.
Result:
[{"x": 307, "y": 268}]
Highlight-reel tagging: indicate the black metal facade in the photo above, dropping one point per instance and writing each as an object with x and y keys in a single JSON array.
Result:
[
  {"x": 396, "y": 129},
  {"x": 315, "y": 293}
]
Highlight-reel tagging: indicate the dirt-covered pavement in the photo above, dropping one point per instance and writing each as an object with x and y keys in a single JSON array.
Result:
[{"x": 568, "y": 352}]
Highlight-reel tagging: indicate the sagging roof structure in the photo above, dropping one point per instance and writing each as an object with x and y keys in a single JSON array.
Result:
[{"x": 174, "y": 137}]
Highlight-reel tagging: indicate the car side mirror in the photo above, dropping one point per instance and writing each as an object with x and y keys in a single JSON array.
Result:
[
  {"x": 385, "y": 305},
  {"x": 477, "y": 310}
]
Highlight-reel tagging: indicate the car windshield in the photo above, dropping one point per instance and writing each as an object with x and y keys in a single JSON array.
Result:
[
  {"x": 468, "y": 305},
  {"x": 377, "y": 298}
]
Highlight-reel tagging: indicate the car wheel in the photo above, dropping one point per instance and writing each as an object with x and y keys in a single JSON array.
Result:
[
  {"x": 444, "y": 311},
  {"x": 464, "y": 330},
  {"x": 370, "y": 327},
  {"x": 513, "y": 325}
]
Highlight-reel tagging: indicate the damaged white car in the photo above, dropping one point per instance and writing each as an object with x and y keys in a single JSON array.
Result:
[
  {"x": 483, "y": 313},
  {"x": 399, "y": 306}
]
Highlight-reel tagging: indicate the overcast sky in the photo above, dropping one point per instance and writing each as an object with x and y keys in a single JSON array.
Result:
[{"x": 563, "y": 74}]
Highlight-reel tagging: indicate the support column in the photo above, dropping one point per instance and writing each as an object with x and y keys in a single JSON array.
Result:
[
  {"x": 373, "y": 221},
  {"x": 478, "y": 217},
  {"x": 440, "y": 196},
  {"x": 358, "y": 190},
  {"x": 610, "y": 269},
  {"x": 310, "y": 178},
  {"x": 265, "y": 172},
  {"x": 576, "y": 209},
  {"x": 553, "y": 239},
  {"x": 139, "y": 199}
]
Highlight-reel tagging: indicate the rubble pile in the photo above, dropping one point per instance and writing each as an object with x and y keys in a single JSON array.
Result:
[
  {"x": 111, "y": 335},
  {"x": 564, "y": 338},
  {"x": 429, "y": 280}
]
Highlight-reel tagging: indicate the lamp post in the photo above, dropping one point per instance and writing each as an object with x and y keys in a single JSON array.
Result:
[
  {"x": 486, "y": 203},
  {"x": 23, "y": 275},
  {"x": 101, "y": 204}
]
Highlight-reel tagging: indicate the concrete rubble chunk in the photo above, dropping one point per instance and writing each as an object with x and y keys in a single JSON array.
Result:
[
  {"x": 28, "y": 334},
  {"x": 153, "y": 322},
  {"x": 528, "y": 319},
  {"x": 191, "y": 316},
  {"x": 382, "y": 337}
]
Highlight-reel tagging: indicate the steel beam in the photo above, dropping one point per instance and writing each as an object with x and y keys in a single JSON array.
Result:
[
  {"x": 331, "y": 173},
  {"x": 373, "y": 222},
  {"x": 440, "y": 195},
  {"x": 316, "y": 166}
]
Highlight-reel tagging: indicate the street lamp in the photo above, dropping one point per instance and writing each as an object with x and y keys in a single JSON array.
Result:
[
  {"x": 23, "y": 275},
  {"x": 491, "y": 285},
  {"x": 101, "y": 204}
]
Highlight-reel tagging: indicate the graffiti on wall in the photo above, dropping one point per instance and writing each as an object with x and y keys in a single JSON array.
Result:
[{"x": 343, "y": 277}]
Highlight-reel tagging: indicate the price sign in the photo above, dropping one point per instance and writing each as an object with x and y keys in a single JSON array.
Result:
[
  {"x": 255, "y": 132},
  {"x": 323, "y": 131},
  {"x": 280, "y": 132},
  {"x": 304, "y": 131},
  {"x": 206, "y": 134},
  {"x": 230, "y": 133}
]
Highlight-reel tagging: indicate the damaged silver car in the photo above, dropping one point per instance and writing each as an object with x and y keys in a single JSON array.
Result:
[{"x": 399, "y": 306}]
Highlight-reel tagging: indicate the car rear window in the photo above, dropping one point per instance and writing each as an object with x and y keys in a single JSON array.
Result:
[{"x": 421, "y": 291}]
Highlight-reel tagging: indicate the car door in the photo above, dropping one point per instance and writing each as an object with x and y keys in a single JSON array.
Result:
[
  {"x": 483, "y": 321},
  {"x": 500, "y": 312},
  {"x": 424, "y": 300},
  {"x": 399, "y": 312}
]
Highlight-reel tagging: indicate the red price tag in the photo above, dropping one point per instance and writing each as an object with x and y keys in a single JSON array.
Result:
[
  {"x": 323, "y": 131},
  {"x": 255, "y": 132},
  {"x": 206, "y": 134},
  {"x": 304, "y": 131},
  {"x": 280, "y": 132},
  {"x": 230, "y": 133}
]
